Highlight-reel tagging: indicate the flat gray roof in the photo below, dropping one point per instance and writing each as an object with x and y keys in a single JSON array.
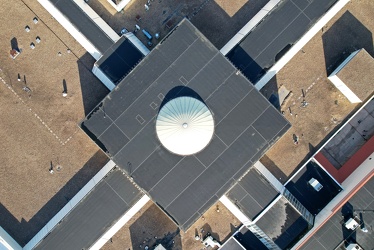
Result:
[
  {"x": 283, "y": 224},
  {"x": 252, "y": 193},
  {"x": 272, "y": 38},
  {"x": 94, "y": 215},
  {"x": 333, "y": 232},
  {"x": 351, "y": 137},
  {"x": 185, "y": 64},
  {"x": 248, "y": 240},
  {"x": 84, "y": 24},
  {"x": 232, "y": 244}
]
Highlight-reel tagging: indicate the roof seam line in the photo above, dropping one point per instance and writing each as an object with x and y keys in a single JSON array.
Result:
[
  {"x": 166, "y": 174},
  {"x": 150, "y": 85},
  {"x": 116, "y": 192}
]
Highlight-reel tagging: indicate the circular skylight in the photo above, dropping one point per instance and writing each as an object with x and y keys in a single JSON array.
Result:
[{"x": 185, "y": 125}]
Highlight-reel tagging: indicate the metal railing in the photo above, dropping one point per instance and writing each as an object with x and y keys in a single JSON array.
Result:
[
  {"x": 299, "y": 207},
  {"x": 263, "y": 237}
]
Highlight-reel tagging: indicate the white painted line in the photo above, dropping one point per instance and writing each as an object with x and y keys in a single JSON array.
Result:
[
  {"x": 71, "y": 28},
  {"x": 301, "y": 43},
  {"x": 248, "y": 27},
  {"x": 35, "y": 114},
  {"x": 69, "y": 206},
  {"x": 97, "y": 20},
  {"x": 120, "y": 223}
]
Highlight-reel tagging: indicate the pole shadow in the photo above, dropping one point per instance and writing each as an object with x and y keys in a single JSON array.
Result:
[
  {"x": 14, "y": 44},
  {"x": 64, "y": 87}
]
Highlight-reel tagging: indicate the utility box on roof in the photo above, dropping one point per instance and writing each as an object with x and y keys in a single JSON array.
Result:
[
  {"x": 315, "y": 184},
  {"x": 354, "y": 246},
  {"x": 351, "y": 224}
]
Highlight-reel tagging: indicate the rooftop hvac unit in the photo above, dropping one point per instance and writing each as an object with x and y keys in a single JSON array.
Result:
[
  {"x": 315, "y": 184},
  {"x": 354, "y": 246},
  {"x": 210, "y": 242},
  {"x": 351, "y": 224},
  {"x": 160, "y": 247}
]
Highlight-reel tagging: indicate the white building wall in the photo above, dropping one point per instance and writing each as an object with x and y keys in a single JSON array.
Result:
[
  {"x": 97, "y": 20},
  {"x": 71, "y": 28},
  {"x": 346, "y": 91},
  {"x": 120, "y": 6},
  {"x": 248, "y": 27},
  {"x": 269, "y": 176},
  {"x": 103, "y": 78},
  {"x": 137, "y": 43},
  {"x": 235, "y": 211},
  {"x": 339, "y": 84},
  {"x": 7, "y": 242}
]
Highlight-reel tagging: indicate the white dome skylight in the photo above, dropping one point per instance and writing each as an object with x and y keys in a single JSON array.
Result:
[{"x": 185, "y": 125}]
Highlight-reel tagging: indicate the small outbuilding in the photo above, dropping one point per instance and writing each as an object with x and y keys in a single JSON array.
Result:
[{"x": 352, "y": 76}]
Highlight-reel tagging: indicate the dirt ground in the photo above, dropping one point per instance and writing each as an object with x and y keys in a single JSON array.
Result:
[
  {"x": 151, "y": 226},
  {"x": 218, "y": 20},
  {"x": 38, "y": 125},
  {"x": 326, "y": 107}
]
